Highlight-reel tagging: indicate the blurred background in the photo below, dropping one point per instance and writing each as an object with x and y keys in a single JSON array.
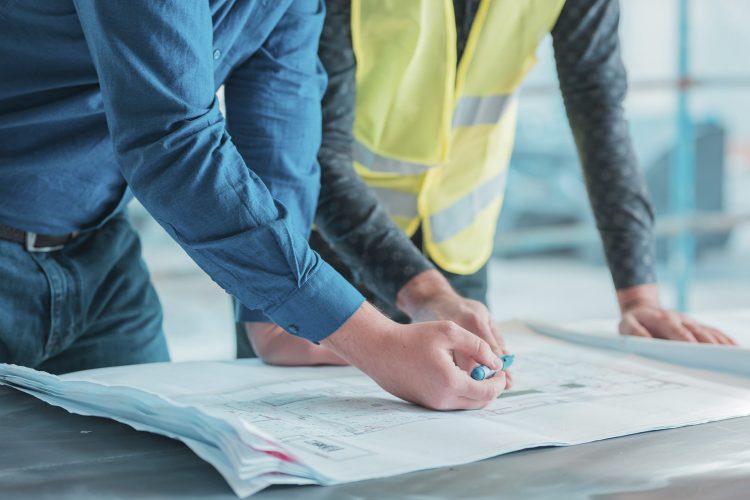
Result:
[{"x": 689, "y": 111}]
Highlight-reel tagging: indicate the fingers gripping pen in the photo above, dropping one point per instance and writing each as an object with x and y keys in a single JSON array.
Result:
[{"x": 482, "y": 372}]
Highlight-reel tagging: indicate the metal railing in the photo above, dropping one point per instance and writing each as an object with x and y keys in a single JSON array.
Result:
[{"x": 683, "y": 223}]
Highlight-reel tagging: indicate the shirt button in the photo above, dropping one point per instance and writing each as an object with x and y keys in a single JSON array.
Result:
[
  {"x": 217, "y": 54},
  {"x": 293, "y": 329}
]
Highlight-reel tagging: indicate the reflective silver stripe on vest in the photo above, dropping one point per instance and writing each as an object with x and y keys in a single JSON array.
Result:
[
  {"x": 478, "y": 110},
  {"x": 397, "y": 203},
  {"x": 470, "y": 110},
  {"x": 452, "y": 220},
  {"x": 377, "y": 163}
]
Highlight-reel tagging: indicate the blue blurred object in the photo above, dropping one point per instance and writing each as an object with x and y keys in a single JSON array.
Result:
[{"x": 482, "y": 372}]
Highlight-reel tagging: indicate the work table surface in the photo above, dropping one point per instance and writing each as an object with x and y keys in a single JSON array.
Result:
[{"x": 47, "y": 452}]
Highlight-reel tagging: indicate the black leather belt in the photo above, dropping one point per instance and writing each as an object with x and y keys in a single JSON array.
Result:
[{"x": 36, "y": 242}]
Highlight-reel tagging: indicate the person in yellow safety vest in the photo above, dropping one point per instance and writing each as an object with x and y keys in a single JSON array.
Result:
[{"x": 436, "y": 86}]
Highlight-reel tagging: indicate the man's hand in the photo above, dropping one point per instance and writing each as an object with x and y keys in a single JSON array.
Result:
[
  {"x": 429, "y": 297},
  {"x": 643, "y": 316},
  {"x": 276, "y": 347},
  {"x": 416, "y": 362}
]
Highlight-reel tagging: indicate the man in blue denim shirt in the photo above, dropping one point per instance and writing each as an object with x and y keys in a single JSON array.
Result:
[{"x": 102, "y": 98}]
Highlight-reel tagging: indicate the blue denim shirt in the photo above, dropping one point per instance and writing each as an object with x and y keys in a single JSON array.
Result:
[{"x": 100, "y": 96}]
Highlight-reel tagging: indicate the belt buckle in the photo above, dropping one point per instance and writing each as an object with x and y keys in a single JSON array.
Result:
[{"x": 31, "y": 245}]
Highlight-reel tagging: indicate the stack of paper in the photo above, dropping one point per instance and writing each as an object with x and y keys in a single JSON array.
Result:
[{"x": 261, "y": 425}]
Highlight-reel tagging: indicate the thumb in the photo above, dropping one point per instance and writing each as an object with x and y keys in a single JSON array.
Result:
[{"x": 630, "y": 326}]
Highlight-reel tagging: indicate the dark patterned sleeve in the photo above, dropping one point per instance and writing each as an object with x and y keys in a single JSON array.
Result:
[
  {"x": 593, "y": 84},
  {"x": 349, "y": 216}
]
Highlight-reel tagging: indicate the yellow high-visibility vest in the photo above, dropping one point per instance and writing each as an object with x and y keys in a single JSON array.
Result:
[{"x": 433, "y": 140}]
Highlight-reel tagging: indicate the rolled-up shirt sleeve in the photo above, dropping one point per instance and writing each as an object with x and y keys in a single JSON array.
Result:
[
  {"x": 274, "y": 96},
  {"x": 155, "y": 68}
]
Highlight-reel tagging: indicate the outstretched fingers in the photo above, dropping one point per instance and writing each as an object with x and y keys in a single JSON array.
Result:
[
  {"x": 707, "y": 334},
  {"x": 701, "y": 334},
  {"x": 723, "y": 339}
]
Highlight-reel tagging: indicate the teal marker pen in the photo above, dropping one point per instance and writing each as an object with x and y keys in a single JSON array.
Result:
[{"x": 482, "y": 372}]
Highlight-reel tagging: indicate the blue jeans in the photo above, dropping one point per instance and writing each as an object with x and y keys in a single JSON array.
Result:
[{"x": 88, "y": 305}]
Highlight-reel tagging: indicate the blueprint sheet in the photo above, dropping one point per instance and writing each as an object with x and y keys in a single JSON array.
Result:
[
  {"x": 728, "y": 359},
  {"x": 262, "y": 425}
]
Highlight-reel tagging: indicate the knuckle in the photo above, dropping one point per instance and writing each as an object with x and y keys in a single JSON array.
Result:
[
  {"x": 450, "y": 330},
  {"x": 447, "y": 326},
  {"x": 474, "y": 306},
  {"x": 473, "y": 318}
]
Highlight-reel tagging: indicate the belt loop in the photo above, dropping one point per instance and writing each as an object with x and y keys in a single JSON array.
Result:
[{"x": 31, "y": 242}]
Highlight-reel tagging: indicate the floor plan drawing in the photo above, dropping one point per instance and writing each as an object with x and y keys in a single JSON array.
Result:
[{"x": 547, "y": 380}]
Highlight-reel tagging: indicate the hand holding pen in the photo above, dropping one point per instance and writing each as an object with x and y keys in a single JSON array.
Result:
[{"x": 482, "y": 372}]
